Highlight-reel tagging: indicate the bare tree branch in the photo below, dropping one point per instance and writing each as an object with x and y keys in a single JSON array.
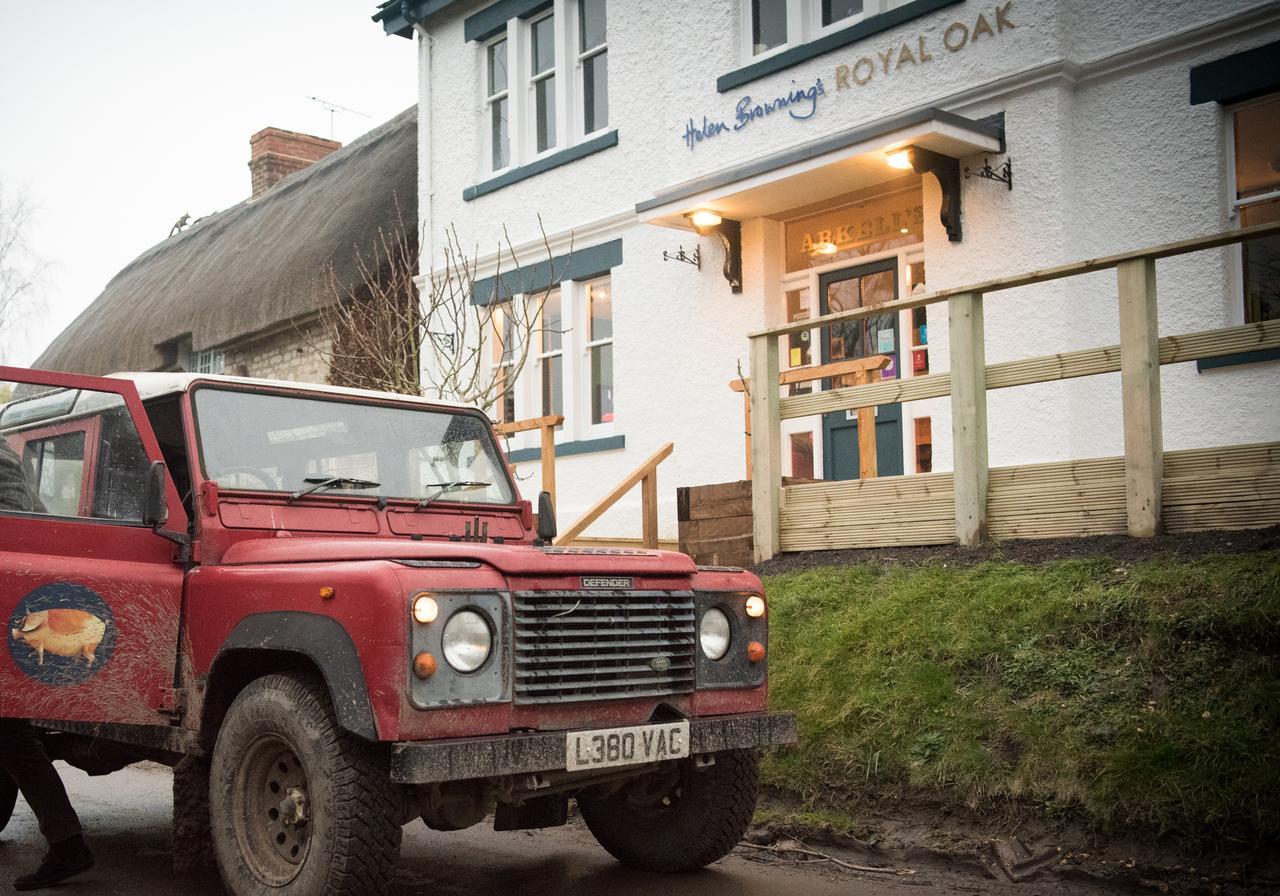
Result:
[
  {"x": 382, "y": 332},
  {"x": 21, "y": 271}
]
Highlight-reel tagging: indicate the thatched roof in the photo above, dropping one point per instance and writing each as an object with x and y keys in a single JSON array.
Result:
[{"x": 253, "y": 267}]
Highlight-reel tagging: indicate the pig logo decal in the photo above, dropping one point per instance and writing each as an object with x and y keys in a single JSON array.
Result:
[{"x": 61, "y": 634}]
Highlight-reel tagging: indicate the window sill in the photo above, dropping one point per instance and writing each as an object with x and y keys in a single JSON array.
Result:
[
  {"x": 828, "y": 42},
  {"x": 1236, "y": 360},
  {"x": 543, "y": 164},
  {"x": 569, "y": 449}
]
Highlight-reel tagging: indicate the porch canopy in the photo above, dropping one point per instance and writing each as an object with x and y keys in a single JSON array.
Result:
[{"x": 831, "y": 166}]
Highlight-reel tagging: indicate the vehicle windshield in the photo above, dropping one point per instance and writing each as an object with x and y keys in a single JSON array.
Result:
[{"x": 286, "y": 443}]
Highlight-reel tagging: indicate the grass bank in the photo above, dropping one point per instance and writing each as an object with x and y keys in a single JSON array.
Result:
[{"x": 1143, "y": 694}]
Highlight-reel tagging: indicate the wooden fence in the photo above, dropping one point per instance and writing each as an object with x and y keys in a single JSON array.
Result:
[
  {"x": 1144, "y": 492},
  {"x": 646, "y": 476},
  {"x": 546, "y": 445}
]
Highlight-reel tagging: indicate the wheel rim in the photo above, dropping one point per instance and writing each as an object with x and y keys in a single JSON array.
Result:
[{"x": 271, "y": 809}]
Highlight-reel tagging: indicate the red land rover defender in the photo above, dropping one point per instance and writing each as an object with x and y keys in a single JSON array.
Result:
[{"x": 330, "y": 610}]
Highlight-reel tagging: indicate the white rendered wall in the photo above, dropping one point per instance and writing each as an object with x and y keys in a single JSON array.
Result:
[{"x": 1108, "y": 155}]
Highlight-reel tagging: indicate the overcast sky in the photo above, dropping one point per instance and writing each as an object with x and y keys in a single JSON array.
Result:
[{"x": 118, "y": 117}]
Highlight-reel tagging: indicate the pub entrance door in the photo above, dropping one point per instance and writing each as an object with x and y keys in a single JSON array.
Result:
[{"x": 843, "y": 290}]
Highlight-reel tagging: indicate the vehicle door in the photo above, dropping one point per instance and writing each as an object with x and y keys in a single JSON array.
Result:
[{"x": 90, "y": 594}]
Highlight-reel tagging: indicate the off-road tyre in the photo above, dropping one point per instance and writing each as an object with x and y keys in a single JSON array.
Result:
[
  {"x": 8, "y": 798},
  {"x": 683, "y": 825},
  {"x": 192, "y": 836},
  {"x": 352, "y": 837}
]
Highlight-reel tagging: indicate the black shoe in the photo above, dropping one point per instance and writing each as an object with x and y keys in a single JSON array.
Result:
[{"x": 65, "y": 860}]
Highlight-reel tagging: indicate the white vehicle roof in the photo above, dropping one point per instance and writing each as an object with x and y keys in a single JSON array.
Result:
[{"x": 155, "y": 385}]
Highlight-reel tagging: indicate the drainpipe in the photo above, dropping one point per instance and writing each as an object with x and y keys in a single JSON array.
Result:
[{"x": 426, "y": 190}]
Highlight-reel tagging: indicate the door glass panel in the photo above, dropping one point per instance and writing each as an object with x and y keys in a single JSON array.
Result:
[
  {"x": 47, "y": 436},
  {"x": 881, "y": 330},
  {"x": 868, "y": 336},
  {"x": 59, "y": 466},
  {"x": 877, "y": 288}
]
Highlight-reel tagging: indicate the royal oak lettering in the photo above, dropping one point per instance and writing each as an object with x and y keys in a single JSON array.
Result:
[{"x": 911, "y": 53}]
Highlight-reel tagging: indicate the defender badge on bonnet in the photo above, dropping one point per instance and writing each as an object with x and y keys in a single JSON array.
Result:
[
  {"x": 659, "y": 664},
  {"x": 607, "y": 582}
]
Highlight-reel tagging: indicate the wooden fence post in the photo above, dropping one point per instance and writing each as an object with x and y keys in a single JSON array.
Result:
[
  {"x": 645, "y": 475},
  {"x": 649, "y": 509},
  {"x": 1140, "y": 390},
  {"x": 548, "y": 454},
  {"x": 766, "y": 446},
  {"x": 969, "y": 415}
]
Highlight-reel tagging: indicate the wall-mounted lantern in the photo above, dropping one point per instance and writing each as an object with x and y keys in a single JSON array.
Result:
[
  {"x": 707, "y": 222},
  {"x": 946, "y": 169}
]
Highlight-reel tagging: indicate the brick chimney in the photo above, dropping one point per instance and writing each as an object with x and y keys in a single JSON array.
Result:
[{"x": 276, "y": 153}]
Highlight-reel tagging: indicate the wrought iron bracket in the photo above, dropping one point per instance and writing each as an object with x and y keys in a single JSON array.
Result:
[
  {"x": 1003, "y": 174},
  {"x": 730, "y": 233},
  {"x": 947, "y": 170},
  {"x": 695, "y": 259}
]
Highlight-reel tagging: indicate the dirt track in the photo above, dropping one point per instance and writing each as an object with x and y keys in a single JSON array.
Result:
[{"x": 128, "y": 816}]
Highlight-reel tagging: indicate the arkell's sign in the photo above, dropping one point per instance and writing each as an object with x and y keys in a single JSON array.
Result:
[{"x": 801, "y": 103}]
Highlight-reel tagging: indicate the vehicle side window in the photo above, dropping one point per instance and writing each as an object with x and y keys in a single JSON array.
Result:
[
  {"x": 57, "y": 468},
  {"x": 165, "y": 416},
  {"x": 121, "y": 481},
  {"x": 70, "y": 453}
]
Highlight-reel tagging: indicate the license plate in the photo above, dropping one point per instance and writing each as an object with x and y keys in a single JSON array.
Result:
[{"x": 610, "y": 747}]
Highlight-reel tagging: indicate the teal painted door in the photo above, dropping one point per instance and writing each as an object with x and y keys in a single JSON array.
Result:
[{"x": 844, "y": 290}]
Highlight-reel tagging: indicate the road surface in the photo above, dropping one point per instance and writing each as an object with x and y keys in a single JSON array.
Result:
[{"x": 127, "y": 816}]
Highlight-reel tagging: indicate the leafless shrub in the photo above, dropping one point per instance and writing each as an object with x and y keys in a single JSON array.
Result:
[{"x": 381, "y": 332}]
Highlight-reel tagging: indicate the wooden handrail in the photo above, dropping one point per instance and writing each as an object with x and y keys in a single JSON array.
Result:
[
  {"x": 646, "y": 473},
  {"x": 510, "y": 429},
  {"x": 1167, "y": 250},
  {"x": 863, "y": 370},
  {"x": 819, "y": 371},
  {"x": 547, "y": 449}
]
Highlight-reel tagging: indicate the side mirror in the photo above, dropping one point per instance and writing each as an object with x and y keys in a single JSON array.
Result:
[
  {"x": 155, "y": 509},
  {"x": 546, "y": 518}
]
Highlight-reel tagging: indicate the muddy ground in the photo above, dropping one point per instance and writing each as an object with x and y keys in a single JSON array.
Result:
[
  {"x": 1021, "y": 848},
  {"x": 128, "y": 815}
]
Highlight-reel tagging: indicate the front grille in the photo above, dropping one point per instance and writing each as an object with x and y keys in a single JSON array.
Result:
[{"x": 576, "y": 645}]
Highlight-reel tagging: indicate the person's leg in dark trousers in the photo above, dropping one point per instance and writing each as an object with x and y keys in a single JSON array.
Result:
[{"x": 23, "y": 758}]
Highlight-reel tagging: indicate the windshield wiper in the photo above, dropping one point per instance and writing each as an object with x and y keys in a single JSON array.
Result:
[
  {"x": 445, "y": 488},
  {"x": 321, "y": 483}
]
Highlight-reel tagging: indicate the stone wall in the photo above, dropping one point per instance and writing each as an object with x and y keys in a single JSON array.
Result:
[{"x": 291, "y": 354}]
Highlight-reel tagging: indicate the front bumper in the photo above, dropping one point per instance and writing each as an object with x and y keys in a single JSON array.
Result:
[{"x": 429, "y": 762}]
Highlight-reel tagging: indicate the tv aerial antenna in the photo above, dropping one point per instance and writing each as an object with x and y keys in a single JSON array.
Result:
[{"x": 334, "y": 108}]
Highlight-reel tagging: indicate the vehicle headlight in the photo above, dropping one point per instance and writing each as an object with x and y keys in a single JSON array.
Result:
[
  {"x": 467, "y": 640},
  {"x": 425, "y": 609},
  {"x": 714, "y": 633}
]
